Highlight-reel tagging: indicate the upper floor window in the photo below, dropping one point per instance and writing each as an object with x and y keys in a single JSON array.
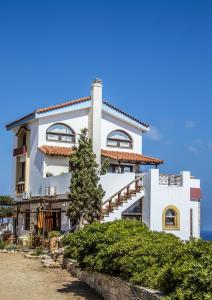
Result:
[
  {"x": 60, "y": 133},
  {"x": 119, "y": 138},
  {"x": 171, "y": 218}
]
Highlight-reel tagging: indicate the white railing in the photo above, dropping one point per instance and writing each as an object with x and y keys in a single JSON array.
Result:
[
  {"x": 176, "y": 180},
  {"x": 124, "y": 193}
]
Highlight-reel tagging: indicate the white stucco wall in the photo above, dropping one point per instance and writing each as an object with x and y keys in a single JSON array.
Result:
[
  {"x": 110, "y": 123},
  {"x": 157, "y": 197},
  {"x": 55, "y": 165},
  {"x": 111, "y": 183},
  {"x": 77, "y": 120}
]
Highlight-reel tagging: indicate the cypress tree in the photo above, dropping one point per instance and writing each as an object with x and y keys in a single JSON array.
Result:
[{"x": 86, "y": 193}]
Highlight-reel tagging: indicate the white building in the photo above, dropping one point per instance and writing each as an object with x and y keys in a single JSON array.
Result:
[{"x": 43, "y": 142}]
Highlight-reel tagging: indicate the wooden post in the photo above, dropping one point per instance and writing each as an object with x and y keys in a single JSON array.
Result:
[
  {"x": 128, "y": 191},
  {"x": 110, "y": 205},
  {"x": 43, "y": 235},
  {"x": 119, "y": 198}
]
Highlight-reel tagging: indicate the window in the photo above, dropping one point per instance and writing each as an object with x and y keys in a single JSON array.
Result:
[
  {"x": 119, "y": 139},
  {"x": 60, "y": 133},
  {"x": 120, "y": 168},
  {"x": 27, "y": 220},
  {"x": 171, "y": 218}
]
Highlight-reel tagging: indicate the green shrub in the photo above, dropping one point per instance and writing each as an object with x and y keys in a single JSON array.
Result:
[
  {"x": 54, "y": 234},
  {"x": 2, "y": 244},
  {"x": 158, "y": 260},
  {"x": 10, "y": 247},
  {"x": 38, "y": 251}
]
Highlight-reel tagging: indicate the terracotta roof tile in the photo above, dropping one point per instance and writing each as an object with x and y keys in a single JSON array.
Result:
[
  {"x": 131, "y": 157},
  {"x": 117, "y": 155},
  {"x": 124, "y": 113},
  {"x": 70, "y": 103},
  {"x": 56, "y": 151},
  {"x": 65, "y": 104}
]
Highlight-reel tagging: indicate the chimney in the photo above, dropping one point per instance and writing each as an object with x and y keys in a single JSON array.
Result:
[{"x": 96, "y": 117}]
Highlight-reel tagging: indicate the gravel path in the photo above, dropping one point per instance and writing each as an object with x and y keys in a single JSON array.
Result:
[{"x": 26, "y": 279}]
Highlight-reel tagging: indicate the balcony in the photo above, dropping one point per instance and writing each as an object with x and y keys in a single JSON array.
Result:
[{"x": 20, "y": 151}]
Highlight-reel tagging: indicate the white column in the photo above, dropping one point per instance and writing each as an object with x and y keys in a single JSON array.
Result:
[{"x": 96, "y": 117}]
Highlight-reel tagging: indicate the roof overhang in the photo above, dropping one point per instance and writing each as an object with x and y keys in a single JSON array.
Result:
[
  {"x": 118, "y": 113},
  {"x": 22, "y": 121},
  {"x": 121, "y": 156},
  {"x": 80, "y": 103}
]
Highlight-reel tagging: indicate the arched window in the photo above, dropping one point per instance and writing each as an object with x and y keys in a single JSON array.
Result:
[
  {"x": 119, "y": 138},
  {"x": 60, "y": 133},
  {"x": 171, "y": 218}
]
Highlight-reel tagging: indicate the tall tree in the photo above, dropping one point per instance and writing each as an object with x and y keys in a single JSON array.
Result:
[{"x": 86, "y": 193}]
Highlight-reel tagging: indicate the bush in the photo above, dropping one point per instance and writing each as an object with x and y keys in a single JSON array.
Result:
[
  {"x": 10, "y": 247},
  {"x": 158, "y": 260},
  {"x": 54, "y": 234},
  {"x": 38, "y": 251},
  {"x": 2, "y": 245}
]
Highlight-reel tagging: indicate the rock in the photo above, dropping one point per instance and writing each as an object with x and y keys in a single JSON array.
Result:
[
  {"x": 49, "y": 263},
  {"x": 4, "y": 251},
  {"x": 60, "y": 251},
  {"x": 44, "y": 256},
  {"x": 31, "y": 256}
]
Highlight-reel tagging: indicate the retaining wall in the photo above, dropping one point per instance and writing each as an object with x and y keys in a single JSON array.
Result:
[{"x": 111, "y": 288}]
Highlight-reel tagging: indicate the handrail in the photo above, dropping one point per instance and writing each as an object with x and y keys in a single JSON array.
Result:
[{"x": 122, "y": 189}]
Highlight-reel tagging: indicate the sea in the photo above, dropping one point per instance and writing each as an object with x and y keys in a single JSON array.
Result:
[{"x": 206, "y": 235}]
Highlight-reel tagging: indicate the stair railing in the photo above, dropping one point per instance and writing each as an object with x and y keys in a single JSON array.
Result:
[{"x": 138, "y": 185}]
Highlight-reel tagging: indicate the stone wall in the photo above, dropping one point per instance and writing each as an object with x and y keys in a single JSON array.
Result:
[{"x": 111, "y": 288}]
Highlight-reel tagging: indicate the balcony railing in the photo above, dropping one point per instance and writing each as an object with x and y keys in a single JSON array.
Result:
[
  {"x": 20, "y": 151},
  {"x": 176, "y": 180},
  {"x": 20, "y": 188}
]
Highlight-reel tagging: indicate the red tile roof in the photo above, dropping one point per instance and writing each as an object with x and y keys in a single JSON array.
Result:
[
  {"x": 70, "y": 103},
  {"x": 131, "y": 157},
  {"x": 65, "y": 104},
  {"x": 85, "y": 99},
  {"x": 56, "y": 151},
  {"x": 117, "y": 155},
  {"x": 195, "y": 194},
  {"x": 124, "y": 113}
]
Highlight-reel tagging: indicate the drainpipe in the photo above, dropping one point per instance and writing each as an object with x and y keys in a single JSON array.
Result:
[{"x": 96, "y": 118}]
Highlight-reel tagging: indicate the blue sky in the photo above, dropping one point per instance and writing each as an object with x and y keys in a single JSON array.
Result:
[{"x": 154, "y": 58}]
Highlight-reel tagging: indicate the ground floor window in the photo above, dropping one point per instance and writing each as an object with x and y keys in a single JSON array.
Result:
[{"x": 171, "y": 218}]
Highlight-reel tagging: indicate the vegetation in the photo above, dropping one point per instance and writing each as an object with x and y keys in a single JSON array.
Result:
[
  {"x": 86, "y": 193},
  {"x": 54, "y": 233},
  {"x": 10, "y": 247},
  {"x": 5, "y": 199},
  {"x": 38, "y": 251},
  {"x": 157, "y": 260},
  {"x": 6, "y": 210},
  {"x": 2, "y": 245}
]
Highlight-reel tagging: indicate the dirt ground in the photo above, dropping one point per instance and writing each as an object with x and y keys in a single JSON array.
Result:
[{"x": 26, "y": 279}]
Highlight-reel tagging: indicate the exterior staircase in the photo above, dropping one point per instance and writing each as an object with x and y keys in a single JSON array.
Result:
[{"x": 113, "y": 207}]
